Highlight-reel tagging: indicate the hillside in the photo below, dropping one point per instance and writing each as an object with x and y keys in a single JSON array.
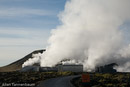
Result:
[{"x": 17, "y": 65}]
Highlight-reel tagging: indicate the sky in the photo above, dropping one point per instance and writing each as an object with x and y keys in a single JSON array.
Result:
[{"x": 25, "y": 26}]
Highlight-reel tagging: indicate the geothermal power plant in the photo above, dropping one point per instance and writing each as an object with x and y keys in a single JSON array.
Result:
[
  {"x": 60, "y": 67},
  {"x": 57, "y": 68},
  {"x": 70, "y": 67},
  {"x": 65, "y": 65}
]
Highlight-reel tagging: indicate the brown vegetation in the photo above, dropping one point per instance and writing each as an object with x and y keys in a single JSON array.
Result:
[{"x": 106, "y": 80}]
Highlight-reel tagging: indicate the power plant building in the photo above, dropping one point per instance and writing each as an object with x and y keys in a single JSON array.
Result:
[
  {"x": 72, "y": 68},
  {"x": 48, "y": 69},
  {"x": 57, "y": 68},
  {"x": 107, "y": 68}
]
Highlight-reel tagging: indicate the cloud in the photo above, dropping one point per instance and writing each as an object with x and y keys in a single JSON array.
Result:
[
  {"x": 23, "y": 12},
  {"x": 18, "y": 42},
  {"x": 23, "y": 36}
]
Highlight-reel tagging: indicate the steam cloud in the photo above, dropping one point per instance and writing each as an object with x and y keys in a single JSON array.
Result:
[
  {"x": 91, "y": 34},
  {"x": 35, "y": 59}
]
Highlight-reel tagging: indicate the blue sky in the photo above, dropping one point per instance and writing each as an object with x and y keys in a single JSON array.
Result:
[{"x": 25, "y": 26}]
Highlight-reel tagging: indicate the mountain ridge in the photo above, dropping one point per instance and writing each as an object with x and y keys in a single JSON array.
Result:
[{"x": 17, "y": 65}]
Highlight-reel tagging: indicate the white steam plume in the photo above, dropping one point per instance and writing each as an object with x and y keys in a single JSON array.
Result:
[
  {"x": 35, "y": 59},
  {"x": 90, "y": 33}
]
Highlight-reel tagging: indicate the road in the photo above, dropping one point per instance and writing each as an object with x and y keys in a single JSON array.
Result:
[{"x": 58, "y": 82}]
